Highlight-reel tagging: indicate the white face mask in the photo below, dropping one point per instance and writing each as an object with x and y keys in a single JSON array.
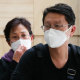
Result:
[
  {"x": 55, "y": 38},
  {"x": 26, "y": 43}
]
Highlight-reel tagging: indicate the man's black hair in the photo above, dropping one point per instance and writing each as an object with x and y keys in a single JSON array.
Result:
[
  {"x": 61, "y": 8},
  {"x": 15, "y": 22}
]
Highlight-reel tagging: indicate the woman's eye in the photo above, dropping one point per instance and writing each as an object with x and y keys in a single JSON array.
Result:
[
  {"x": 47, "y": 26},
  {"x": 14, "y": 37},
  {"x": 23, "y": 35}
]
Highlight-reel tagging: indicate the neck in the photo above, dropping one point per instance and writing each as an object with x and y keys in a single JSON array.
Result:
[{"x": 59, "y": 55}]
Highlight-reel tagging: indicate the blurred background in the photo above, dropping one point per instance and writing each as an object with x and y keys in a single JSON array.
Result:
[{"x": 32, "y": 10}]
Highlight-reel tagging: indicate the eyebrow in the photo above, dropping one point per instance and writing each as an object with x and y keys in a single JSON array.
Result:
[
  {"x": 20, "y": 32},
  {"x": 23, "y": 31},
  {"x": 55, "y": 22}
]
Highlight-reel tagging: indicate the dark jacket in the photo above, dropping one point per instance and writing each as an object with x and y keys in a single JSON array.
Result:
[
  {"x": 36, "y": 64},
  {"x": 6, "y": 69}
]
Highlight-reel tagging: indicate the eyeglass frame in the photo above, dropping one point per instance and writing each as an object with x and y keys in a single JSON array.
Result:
[{"x": 48, "y": 27}]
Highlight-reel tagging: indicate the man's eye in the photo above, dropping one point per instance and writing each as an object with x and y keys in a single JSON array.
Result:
[{"x": 57, "y": 25}]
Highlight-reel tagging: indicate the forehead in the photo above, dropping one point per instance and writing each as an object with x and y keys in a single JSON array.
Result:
[
  {"x": 55, "y": 18},
  {"x": 19, "y": 29}
]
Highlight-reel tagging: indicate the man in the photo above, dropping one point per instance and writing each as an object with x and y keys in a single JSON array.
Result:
[{"x": 57, "y": 60}]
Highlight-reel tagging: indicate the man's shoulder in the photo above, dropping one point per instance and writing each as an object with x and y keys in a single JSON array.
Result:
[
  {"x": 75, "y": 48},
  {"x": 36, "y": 51},
  {"x": 34, "y": 55},
  {"x": 76, "y": 52}
]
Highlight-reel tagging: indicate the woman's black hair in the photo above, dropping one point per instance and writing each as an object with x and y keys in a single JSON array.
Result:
[{"x": 15, "y": 22}]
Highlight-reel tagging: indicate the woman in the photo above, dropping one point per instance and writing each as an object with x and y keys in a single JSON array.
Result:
[{"x": 18, "y": 35}]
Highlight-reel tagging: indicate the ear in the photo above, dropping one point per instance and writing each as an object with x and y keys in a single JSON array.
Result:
[
  {"x": 8, "y": 43},
  {"x": 73, "y": 29},
  {"x": 32, "y": 37}
]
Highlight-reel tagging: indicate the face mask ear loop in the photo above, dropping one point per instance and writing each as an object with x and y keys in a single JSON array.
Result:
[{"x": 68, "y": 29}]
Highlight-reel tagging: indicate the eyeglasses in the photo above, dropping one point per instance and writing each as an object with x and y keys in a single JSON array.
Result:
[{"x": 56, "y": 26}]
